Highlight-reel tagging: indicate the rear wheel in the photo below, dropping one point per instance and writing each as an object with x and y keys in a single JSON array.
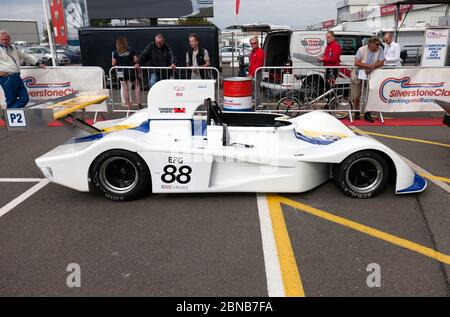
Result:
[
  {"x": 289, "y": 103},
  {"x": 362, "y": 175},
  {"x": 313, "y": 87},
  {"x": 120, "y": 175}
]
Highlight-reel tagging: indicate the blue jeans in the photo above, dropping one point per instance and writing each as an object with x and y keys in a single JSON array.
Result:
[
  {"x": 154, "y": 78},
  {"x": 16, "y": 94}
]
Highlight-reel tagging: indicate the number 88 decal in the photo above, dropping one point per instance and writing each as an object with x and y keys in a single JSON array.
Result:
[{"x": 170, "y": 174}]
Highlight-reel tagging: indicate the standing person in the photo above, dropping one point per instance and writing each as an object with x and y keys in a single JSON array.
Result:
[
  {"x": 391, "y": 51},
  {"x": 368, "y": 58},
  {"x": 157, "y": 54},
  {"x": 197, "y": 56},
  {"x": 256, "y": 57},
  {"x": 126, "y": 56},
  {"x": 11, "y": 58},
  {"x": 331, "y": 57}
]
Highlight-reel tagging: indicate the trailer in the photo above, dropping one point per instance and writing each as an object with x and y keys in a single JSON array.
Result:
[{"x": 97, "y": 44}]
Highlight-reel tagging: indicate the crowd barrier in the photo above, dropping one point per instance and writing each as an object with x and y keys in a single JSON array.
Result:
[
  {"x": 293, "y": 90},
  {"x": 143, "y": 79},
  {"x": 408, "y": 89},
  {"x": 54, "y": 82},
  {"x": 289, "y": 90}
]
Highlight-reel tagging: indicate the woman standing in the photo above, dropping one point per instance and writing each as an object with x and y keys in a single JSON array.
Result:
[{"x": 126, "y": 56}]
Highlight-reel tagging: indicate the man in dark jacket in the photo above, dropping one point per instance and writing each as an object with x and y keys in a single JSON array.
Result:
[
  {"x": 197, "y": 56},
  {"x": 157, "y": 54}
]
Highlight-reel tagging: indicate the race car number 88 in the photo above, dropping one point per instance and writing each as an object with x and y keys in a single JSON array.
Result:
[{"x": 170, "y": 174}]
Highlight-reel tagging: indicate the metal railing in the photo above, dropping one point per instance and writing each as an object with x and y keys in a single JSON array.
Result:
[
  {"x": 305, "y": 89},
  {"x": 129, "y": 87}
]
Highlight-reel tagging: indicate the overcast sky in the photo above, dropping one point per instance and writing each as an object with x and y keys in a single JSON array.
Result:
[{"x": 285, "y": 12}]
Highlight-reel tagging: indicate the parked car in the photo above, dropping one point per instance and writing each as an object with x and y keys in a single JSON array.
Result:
[
  {"x": 226, "y": 54},
  {"x": 75, "y": 57},
  {"x": 62, "y": 58},
  {"x": 40, "y": 57}
]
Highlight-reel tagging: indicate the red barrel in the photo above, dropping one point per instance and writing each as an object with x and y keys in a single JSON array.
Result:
[{"x": 237, "y": 94}]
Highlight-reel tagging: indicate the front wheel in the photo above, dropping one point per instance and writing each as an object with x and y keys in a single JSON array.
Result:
[
  {"x": 340, "y": 106},
  {"x": 120, "y": 175},
  {"x": 362, "y": 175}
]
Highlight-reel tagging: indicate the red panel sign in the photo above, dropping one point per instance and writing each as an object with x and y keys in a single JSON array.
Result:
[
  {"x": 390, "y": 9},
  {"x": 59, "y": 24},
  {"x": 328, "y": 24}
]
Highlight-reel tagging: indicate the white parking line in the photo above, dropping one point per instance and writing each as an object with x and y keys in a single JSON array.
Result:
[
  {"x": 14, "y": 203},
  {"x": 275, "y": 285},
  {"x": 20, "y": 180}
]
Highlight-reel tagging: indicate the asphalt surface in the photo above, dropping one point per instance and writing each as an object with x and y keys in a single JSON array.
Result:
[{"x": 211, "y": 245}]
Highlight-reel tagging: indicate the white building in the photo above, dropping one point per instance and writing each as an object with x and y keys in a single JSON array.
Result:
[
  {"x": 376, "y": 15},
  {"x": 21, "y": 30}
]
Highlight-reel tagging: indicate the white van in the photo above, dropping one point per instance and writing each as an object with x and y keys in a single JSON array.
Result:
[{"x": 300, "y": 49}]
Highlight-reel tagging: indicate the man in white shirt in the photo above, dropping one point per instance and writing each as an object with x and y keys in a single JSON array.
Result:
[
  {"x": 391, "y": 51},
  {"x": 16, "y": 94}
]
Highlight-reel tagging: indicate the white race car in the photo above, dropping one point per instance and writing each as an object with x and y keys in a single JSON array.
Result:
[{"x": 166, "y": 149}]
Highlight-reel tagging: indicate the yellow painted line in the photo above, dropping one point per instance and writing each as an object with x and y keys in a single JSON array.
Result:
[
  {"x": 293, "y": 286},
  {"x": 436, "y": 178},
  {"x": 402, "y": 138},
  {"x": 441, "y": 257}
]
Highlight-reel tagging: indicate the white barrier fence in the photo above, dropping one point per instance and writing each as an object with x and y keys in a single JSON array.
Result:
[
  {"x": 303, "y": 89},
  {"x": 289, "y": 90},
  {"x": 54, "y": 82},
  {"x": 408, "y": 89},
  {"x": 130, "y": 86}
]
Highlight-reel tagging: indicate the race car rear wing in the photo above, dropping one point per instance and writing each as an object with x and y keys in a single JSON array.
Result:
[{"x": 40, "y": 115}]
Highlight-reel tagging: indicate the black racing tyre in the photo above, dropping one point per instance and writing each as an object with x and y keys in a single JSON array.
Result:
[
  {"x": 120, "y": 175},
  {"x": 362, "y": 175}
]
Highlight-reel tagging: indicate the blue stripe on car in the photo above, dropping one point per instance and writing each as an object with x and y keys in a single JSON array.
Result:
[
  {"x": 316, "y": 141},
  {"x": 418, "y": 185},
  {"x": 143, "y": 127},
  {"x": 88, "y": 138}
]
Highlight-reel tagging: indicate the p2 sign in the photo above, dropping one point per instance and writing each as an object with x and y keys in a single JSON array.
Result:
[{"x": 16, "y": 118}]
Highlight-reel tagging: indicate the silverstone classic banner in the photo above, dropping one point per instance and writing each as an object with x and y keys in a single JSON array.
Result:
[
  {"x": 404, "y": 90},
  {"x": 55, "y": 82}
]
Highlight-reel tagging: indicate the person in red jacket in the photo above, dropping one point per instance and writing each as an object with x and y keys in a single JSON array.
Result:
[
  {"x": 331, "y": 56},
  {"x": 256, "y": 57}
]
